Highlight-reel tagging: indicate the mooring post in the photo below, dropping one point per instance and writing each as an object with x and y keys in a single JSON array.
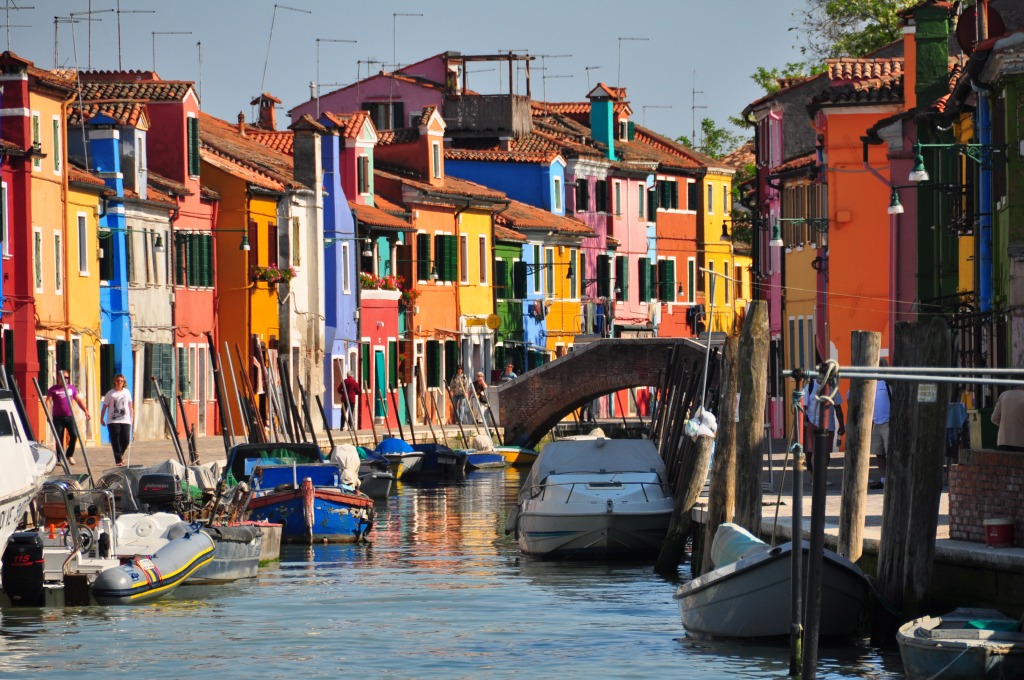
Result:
[
  {"x": 752, "y": 383},
  {"x": 722, "y": 491},
  {"x": 856, "y": 463},
  {"x": 694, "y": 469}
]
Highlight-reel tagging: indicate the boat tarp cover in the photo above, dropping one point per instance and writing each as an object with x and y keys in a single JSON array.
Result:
[
  {"x": 394, "y": 445},
  {"x": 346, "y": 456},
  {"x": 606, "y": 456},
  {"x": 245, "y": 457},
  {"x": 732, "y": 543},
  {"x": 200, "y": 478}
]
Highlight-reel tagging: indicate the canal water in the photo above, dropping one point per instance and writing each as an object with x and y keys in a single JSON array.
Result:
[{"x": 441, "y": 592}]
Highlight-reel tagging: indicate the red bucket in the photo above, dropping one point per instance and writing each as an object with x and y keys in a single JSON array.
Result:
[{"x": 998, "y": 532}]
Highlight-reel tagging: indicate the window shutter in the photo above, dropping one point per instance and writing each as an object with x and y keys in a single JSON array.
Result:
[
  {"x": 643, "y": 279},
  {"x": 149, "y": 364},
  {"x": 107, "y": 258},
  {"x": 500, "y": 279},
  {"x": 398, "y": 120},
  {"x": 63, "y": 355},
  {"x": 182, "y": 373},
  {"x": 499, "y": 355},
  {"x": 652, "y": 283},
  {"x": 392, "y": 364},
  {"x": 652, "y": 204},
  {"x": 631, "y": 130},
  {"x": 603, "y": 276},
  {"x": 433, "y": 363},
  {"x": 422, "y": 257},
  {"x": 166, "y": 374},
  {"x": 666, "y": 280},
  {"x": 675, "y": 195},
  {"x": 582, "y": 195},
  {"x": 364, "y": 362},
  {"x": 439, "y": 257},
  {"x": 180, "y": 252},
  {"x": 518, "y": 280},
  {"x": 254, "y": 244},
  {"x": 692, "y": 196},
  {"x": 451, "y": 358},
  {"x": 207, "y": 241},
  {"x": 451, "y": 258},
  {"x": 193, "y": 146},
  {"x": 622, "y": 277},
  {"x": 272, "y": 245},
  {"x": 44, "y": 363},
  {"x": 107, "y": 367},
  {"x": 361, "y": 175}
]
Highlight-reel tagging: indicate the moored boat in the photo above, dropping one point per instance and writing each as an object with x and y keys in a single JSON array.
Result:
[
  {"x": 439, "y": 459},
  {"x": 483, "y": 460},
  {"x": 747, "y": 595},
  {"x": 965, "y": 644},
  {"x": 590, "y": 497},
  {"x": 403, "y": 459},
  {"x": 518, "y": 456}
]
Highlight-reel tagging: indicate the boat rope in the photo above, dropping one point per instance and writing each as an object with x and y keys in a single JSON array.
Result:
[
  {"x": 795, "y": 448},
  {"x": 938, "y": 674}
]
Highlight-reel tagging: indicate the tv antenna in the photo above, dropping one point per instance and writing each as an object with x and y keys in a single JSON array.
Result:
[
  {"x": 652, "y": 106},
  {"x": 119, "y": 13},
  {"x": 588, "y": 69},
  {"x": 618, "y": 75},
  {"x": 273, "y": 20},
  {"x": 7, "y": 21},
  {"x": 693, "y": 109},
  {"x": 318, "y": 41}
]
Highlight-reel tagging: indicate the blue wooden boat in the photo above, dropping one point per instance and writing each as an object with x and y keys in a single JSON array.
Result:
[
  {"x": 404, "y": 460},
  {"x": 291, "y": 485},
  {"x": 439, "y": 459},
  {"x": 482, "y": 460}
]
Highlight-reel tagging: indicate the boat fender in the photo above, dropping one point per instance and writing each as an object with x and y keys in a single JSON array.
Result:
[
  {"x": 287, "y": 486},
  {"x": 776, "y": 551},
  {"x": 512, "y": 521}
]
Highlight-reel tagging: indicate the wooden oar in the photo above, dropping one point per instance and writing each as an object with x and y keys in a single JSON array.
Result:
[
  {"x": 369, "y": 417},
  {"x": 458, "y": 421},
  {"x": 226, "y": 428},
  {"x": 327, "y": 425}
]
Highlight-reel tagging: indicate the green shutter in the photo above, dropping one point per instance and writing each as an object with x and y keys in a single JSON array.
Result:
[
  {"x": 63, "y": 355},
  {"x": 440, "y": 255},
  {"x": 631, "y": 131},
  {"x": 364, "y": 360},
  {"x": 689, "y": 280},
  {"x": 193, "y": 146},
  {"x": 392, "y": 364},
  {"x": 499, "y": 355},
  {"x": 44, "y": 364},
  {"x": 182, "y": 377},
  {"x": 433, "y": 363},
  {"x": 108, "y": 368},
  {"x": 518, "y": 281},
  {"x": 180, "y": 252},
  {"x": 536, "y": 268},
  {"x": 622, "y": 277},
  {"x": 451, "y": 258},
  {"x": 500, "y": 279},
  {"x": 652, "y": 284},
  {"x": 422, "y": 257},
  {"x": 451, "y": 357},
  {"x": 643, "y": 279}
]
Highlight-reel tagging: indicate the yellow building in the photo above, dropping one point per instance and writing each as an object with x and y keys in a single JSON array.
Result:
[
  {"x": 725, "y": 262},
  {"x": 476, "y": 280}
]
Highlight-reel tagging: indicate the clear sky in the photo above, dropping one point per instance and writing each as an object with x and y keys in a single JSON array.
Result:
[{"x": 663, "y": 49}]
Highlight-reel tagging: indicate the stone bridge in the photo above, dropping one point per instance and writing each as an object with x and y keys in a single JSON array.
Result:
[{"x": 531, "y": 405}]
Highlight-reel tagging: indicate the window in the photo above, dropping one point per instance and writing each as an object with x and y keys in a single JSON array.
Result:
[
  {"x": 464, "y": 257},
  {"x": 604, "y": 276},
  {"x": 621, "y": 277},
  {"x": 83, "y": 245},
  {"x": 668, "y": 194},
  {"x": 725, "y": 199},
  {"x": 37, "y": 255},
  {"x": 549, "y": 271},
  {"x": 422, "y": 257},
  {"x": 582, "y": 195},
  {"x": 692, "y": 195},
  {"x": 363, "y": 174},
  {"x": 483, "y": 259},
  {"x": 346, "y": 269},
  {"x": 57, "y": 146},
  {"x": 667, "y": 280},
  {"x": 641, "y": 198},
  {"x": 643, "y": 279},
  {"x": 446, "y": 257},
  {"x": 296, "y": 243},
  {"x": 500, "y": 280},
  {"x": 386, "y": 115},
  {"x": 601, "y": 196},
  {"x": 558, "y": 195},
  {"x": 193, "y": 374},
  {"x": 5, "y": 225},
  {"x": 58, "y": 264},
  {"x": 37, "y": 141},
  {"x": 193, "y": 146},
  {"x": 691, "y": 272},
  {"x": 711, "y": 199},
  {"x": 618, "y": 198},
  {"x": 158, "y": 360},
  {"x": 577, "y": 270},
  {"x": 536, "y": 269},
  {"x": 435, "y": 150},
  {"x": 737, "y": 283}
]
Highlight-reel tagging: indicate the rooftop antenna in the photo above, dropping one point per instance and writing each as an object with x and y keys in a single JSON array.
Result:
[
  {"x": 588, "y": 69},
  {"x": 651, "y": 106},
  {"x": 511, "y": 85},
  {"x": 273, "y": 20},
  {"x": 119, "y": 13},
  {"x": 156, "y": 33},
  {"x": 88, "y": 14},
  {"x": 199, "y": 46},
  {"x": 618, "y": 75},
  {"x": 318, "y": 41},
  {"x": 368, "y": 61},
  {"x": 693, "y": 109},
  {"x": 7, "y": 22},
  {"x": 544, "y": 77}
]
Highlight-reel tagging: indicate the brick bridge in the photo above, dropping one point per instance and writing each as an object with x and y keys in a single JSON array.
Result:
[{"x": 531, "y": 405}]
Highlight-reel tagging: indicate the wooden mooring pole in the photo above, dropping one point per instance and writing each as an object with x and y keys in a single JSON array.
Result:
[
  {"x": 752, "y": 384},
  {"x": 722, "y": 490},
  {"x": 913, "y": 478},
  {"x": 856, "y": 464}
]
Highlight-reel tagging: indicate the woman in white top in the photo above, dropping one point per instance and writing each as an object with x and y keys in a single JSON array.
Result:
[{"x": 119, "y": 417}]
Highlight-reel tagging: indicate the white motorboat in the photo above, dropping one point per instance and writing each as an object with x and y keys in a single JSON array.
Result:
[
  {"x": 965, "y": 644},
  {"x": 747, "y": 595},
  {"x": 26, "y": 465},
  {"x": 591, "y": 497}
]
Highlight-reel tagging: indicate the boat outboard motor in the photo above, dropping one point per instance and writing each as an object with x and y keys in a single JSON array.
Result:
[
  {"x": 161, "y": 493},
  {"x": 23, "y": 569}
]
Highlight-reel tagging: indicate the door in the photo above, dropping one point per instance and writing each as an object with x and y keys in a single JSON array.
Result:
[{"x": 380, "y": 384}]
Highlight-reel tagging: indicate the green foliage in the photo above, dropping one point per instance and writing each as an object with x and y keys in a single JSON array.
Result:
[
  {"x": 849, "y": 28},
  {"x": 715, "y": 141},
  {"x": 768, "y": 78}
]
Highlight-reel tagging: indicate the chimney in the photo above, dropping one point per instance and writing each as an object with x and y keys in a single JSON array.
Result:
[
  {"x": 602, "y": 123},
  {"x": 931, "y": 40},
  {"x": 241, "y": 123},
  {"x": 267, "y": 116}
]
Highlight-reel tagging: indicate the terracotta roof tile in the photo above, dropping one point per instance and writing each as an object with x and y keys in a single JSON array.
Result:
[
  {"x": 398, "y": 136},
  {"x": 378, "y": 218},
  {"x": 495, "y": 153},
  {"x": 146, "y": 90},
  {"x": 863, "y": 81},
  {"x": 237, "y": 169},
  {"x": 505, "y": 234},
  {"x": 807, "y": 160},
  {"x": 125, "y": 112},
  {"x": 58, "y": 80},
  {"x": 388, "y": 206},
  {"x": 521, "y": 216},
  {"x": 80, "y": 176},
  {"x": 452, "y": 185},
  {"x": 168, "y": 186},
  {"x": 741, "y": 157},
  {"x": 278, "y": 140},
  {"x": 225, "y": 141},
  {"x": 851, "y": 68},
  {"x": 350, "y": 124}
]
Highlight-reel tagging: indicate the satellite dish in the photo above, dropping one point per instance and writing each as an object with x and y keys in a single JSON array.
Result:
[{"x": 967, "y": 27}]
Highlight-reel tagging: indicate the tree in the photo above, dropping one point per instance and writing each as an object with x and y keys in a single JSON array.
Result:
[
  {"x": 768, "y": 79},
  {"x": 714, "y": 141},
  {"x": 849, "y": 28}
]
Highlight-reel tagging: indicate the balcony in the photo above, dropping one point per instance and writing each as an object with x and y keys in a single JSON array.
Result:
[{"x": 488, "y": 115}]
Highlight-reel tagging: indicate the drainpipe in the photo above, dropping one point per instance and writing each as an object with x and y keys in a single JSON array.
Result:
[{"x": 985, "y": 270}]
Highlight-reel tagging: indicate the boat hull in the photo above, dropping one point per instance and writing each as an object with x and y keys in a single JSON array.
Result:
[
  {"x": 405, "y": 464},
  {"x": 146, "y": 578},
  {"x": 942, "y": 648},
  {"x": 236, "y": 555},
  {"x": 751, "y": 597},
  {"x": 591, "y": 535},
  {"x": 328, "y": 515},
  {"x": 517, "y": 456},
  {"x": 483, "y": 460},
  {"x": 376, "y": 484}
]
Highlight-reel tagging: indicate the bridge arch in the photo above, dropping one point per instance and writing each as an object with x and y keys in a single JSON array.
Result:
[{"x": 531, "y": 405}]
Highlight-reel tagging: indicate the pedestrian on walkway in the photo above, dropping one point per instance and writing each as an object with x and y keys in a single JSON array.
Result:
[
  {"x": 459, "y": 387},
  {"x": 349, "y": 389},
  {"x": 119, "y": 417},
  {"x": 510, "y": 373},
  {"x": 1009, "y": 416},
  {"x": 880, "y": 427},
  {"x": 58, "y": 401}
]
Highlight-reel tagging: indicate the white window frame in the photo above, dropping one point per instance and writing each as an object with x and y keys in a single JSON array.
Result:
[
  {"x": 464, "y": 258},
  {"x": 725, "y": 199},
  {"x": 691, "y": 265},
  {"x": 58, "y": 263},
  {"x": 58, "y": 147},
  {"x": 711, "y": 199},
  {"x": 346, "y": 269},
  {"x": 296, "y": 236},
  {"x": 558, "y": 194},
  {"x": 617, "y": 198},
  {"x": 82, "y": 223},
  {"x": 193, "y": 373},
  {"x": 483, "y": 259},
  {"x": 549, "y": 272},
  {"x": 435, "y": 150},
  {"x": 37, "y": 139},
  {"x": 39, "y": 271}
]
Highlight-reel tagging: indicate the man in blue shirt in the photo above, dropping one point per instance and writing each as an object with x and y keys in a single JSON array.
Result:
[
  {"x": 510, "y": 373},
  {"x": 880, "y": 427}
]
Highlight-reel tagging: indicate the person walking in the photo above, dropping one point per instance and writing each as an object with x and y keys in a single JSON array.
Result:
[
  {"x": 880, "y": 427},
  {"x": 119, "y": 417},
  {"x": 349, "y": 389},
  {"x": 811, "y": 427},
  {"x": 459, "y": 387},
  {"x": 1009, "y": 416},
  {"x": 480, "y": 387},
  {"x": 58, "y": 401}
]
